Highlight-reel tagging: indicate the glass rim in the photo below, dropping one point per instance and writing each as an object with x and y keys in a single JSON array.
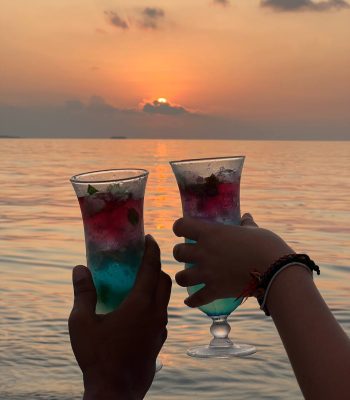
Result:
[
  {"x": 142, "y": 173},
  {"x": 206, "y": 159}
]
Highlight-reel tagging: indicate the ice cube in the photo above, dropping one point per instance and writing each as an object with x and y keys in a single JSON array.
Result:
[
  {"x": 189, "y": 177},
  {"x": 227, "y": 175},
  {"x": 118, "y": 191},
  {"x": 93, "y": 205}
]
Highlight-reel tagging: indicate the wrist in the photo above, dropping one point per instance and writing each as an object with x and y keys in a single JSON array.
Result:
[
  {"x": 286, "y": 286},
  {"x": 104, "y": 389},
  {"x": 263, "y": 282},
  {"x": 102, "y": 392}
]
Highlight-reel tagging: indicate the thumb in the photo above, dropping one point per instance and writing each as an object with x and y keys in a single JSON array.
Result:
[
  {"x": 85, "y": 297},
  {"x": 148, "y": 275},
  {"x": 248, "y": 220}
]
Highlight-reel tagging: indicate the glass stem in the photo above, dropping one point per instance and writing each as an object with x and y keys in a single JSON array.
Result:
[{"x": 220, "y": 329}]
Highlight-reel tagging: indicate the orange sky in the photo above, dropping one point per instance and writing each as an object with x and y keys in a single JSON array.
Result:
[{"x": 242, "y": 61}]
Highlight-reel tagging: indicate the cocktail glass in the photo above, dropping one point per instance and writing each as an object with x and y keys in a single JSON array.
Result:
[
  {"x": 111, "y": 203},
  {"x": 210, "y": 190}
]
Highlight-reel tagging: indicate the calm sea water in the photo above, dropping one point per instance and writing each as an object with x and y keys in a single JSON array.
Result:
[{"x": 299, "y": 189}]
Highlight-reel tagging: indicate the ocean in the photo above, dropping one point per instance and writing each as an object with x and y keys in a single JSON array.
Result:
[{"x": 301, "y": 190}]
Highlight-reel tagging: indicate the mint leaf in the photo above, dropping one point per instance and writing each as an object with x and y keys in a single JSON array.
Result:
[
  {"x": 91, "y": 190},
  {"x": 133, "y": 216}
]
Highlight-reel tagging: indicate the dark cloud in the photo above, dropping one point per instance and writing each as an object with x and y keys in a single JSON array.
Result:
[
  {"x": 98, "y": 104},
  {"x": 115, "y": 20},
  {"x": 305, "y": 5},
  {"x": 97, "y": 118},
  {"x": 151, "y": 16},
  {"x": 154, "y": 13},
  {"x": 157, "y": 107},
  {"x": 74, "y": 105},
  {"x": 223, "y": 3}
]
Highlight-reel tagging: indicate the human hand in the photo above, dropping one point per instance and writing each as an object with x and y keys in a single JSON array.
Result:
[
  {"x": 117, "y": 352},
  {"x": 224, "y": 256}
]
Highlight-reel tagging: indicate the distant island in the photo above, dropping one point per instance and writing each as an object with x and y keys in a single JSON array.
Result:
[
  {"x": 118, "y": 137},
  {"x": 9, "y": 137}
]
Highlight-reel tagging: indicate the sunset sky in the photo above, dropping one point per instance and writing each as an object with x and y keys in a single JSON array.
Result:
[{"x": 240, "y": 68}]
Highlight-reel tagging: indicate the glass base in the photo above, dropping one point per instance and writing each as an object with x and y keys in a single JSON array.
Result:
[
  {"x": 236, "y": 350},
  {"x": 221, "y": 346}
]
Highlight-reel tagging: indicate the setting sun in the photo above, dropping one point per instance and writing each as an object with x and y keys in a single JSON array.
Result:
[{"x": 162, "y": 100}]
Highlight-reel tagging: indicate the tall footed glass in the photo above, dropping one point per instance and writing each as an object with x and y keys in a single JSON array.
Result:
[{"x": 210, "y": 190}]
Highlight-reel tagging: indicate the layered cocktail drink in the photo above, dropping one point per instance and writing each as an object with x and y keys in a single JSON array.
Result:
[
  {"x": 213, "y": 198},
  {"x": 210, "y": 190},
  {"x": 111, "y": 204}
]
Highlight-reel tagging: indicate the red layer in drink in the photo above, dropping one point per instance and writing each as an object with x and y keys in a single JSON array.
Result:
[
  {"x": 211, "y": 198},
  {"x": 110, "y": 220}
]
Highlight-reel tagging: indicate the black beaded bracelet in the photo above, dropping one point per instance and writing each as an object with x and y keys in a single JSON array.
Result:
[{"x": 263, "y": 281}]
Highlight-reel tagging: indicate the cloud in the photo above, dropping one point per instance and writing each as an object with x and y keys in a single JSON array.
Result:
[
  {"x": 115, "y": 20},
  {"x": 98, "y": 119},
  {"x": 223, "y": 3},
  {"x": 166, "y": 108},
  {"x": 151, "y": 16},
  {"x": 153, "y": 12},
  {"x": 98, "y": 104},
  {"x": 74, "y": 105},
  {"x": 305, "y": 5}
]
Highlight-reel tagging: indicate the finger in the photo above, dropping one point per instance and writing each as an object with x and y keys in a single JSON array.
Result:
[
  {"x": 186, "y": 252},
  {"x": 148, "y": 275},
  {"x": 190, "y": 228},
  {"x": 200, "y": 298},
  {"x": 163, "y": 290},
  {"x": 162, "y": 297},
  {"x": 84, "y": 291},
  {"x": 189, "y": 277},
  {"x": 162, "y": 337},
  {"x": 248, "y": 220}
]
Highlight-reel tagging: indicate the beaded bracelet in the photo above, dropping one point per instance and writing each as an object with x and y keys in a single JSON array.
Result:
[{"x": 261, "y": 283}]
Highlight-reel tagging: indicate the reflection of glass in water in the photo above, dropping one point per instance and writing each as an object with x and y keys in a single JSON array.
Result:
[{"x": 111, "y": 204}]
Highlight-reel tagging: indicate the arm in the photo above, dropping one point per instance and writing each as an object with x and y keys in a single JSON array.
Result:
[
  {"x": 317, "y": 346},
  {"x": 224, "y": 256}
]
